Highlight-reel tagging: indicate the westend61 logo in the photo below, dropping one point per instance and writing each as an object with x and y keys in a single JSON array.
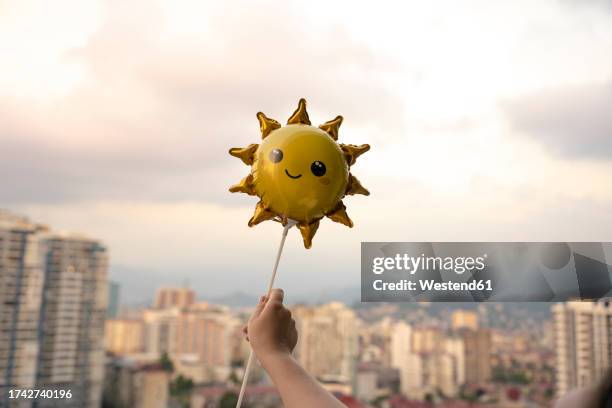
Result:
[
  {"x": 485, "y": 271},
  {"x": 412, "y": 264}
]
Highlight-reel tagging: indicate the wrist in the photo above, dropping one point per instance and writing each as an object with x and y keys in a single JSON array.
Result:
[{"x": 270, "y": 361}]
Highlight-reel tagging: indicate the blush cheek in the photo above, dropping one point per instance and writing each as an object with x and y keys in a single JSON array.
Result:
[{"x": 325, "y": 181}]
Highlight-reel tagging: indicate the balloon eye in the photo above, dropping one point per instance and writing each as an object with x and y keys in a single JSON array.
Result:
[
  {"x": 318, "y": 168},
  {"x": 276, "y": 155}
]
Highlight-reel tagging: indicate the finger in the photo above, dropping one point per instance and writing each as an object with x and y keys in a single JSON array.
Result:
[
  {"x": 245, "y": 331},
  {"x": 285, "y": 315},
  {"x": 275, "y": 300},
  {"x": 260, "y": 306},
  {"x": 293, "y": 335},
  {"x": 277, "y": 295}
]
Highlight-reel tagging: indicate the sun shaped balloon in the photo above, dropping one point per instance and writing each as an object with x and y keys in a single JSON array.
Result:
[{"x": 300, "y": 172}]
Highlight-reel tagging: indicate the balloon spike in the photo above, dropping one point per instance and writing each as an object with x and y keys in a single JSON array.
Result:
[
  {"x": 332, "y": 126},
  {"x": 355, "y": 187},
  {"x": 339, "y": 215},
  {"x": 261, "y": 214},
  {"x": 246, "y": 154},
  {"x": 300, "y": 115},
  {"x": 308, "y": 231},
  {"x": 266, "y": 124},
  {"x": 352, "y": 152},
  {"x": 245, "y": 186}
]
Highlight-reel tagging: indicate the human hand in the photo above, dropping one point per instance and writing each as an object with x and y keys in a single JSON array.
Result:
[{"x": 271, "y": 330}]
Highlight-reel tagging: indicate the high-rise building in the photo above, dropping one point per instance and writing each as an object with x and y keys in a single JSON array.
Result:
[
  {"x": 112, "y": 309},
  {"x": 429, "y": 361},
  {"x": 199, "y": 339},
  {"x": 583, "y": 343},
  {"x": 404, "y": 359},
  {"x": 204, "y": 342},
  {"x": 376, "y": 341},
  {"x": 426, "y": 340},
  {"x": 124, "y": 336},
  {"x": 452, "y": 368},
  {"x": 477, "y": 345},
  {"x": 73, "y": 309},
  {"x": 464, "y": 319},
  {"x": 160, "y": 331},
  {"x": 168, "y": 297},
  {"x": 53, "y": 296},
  {"x": 135, "y": 385},
  {"x": 21, "y": 283},
  {"x": 204, "y": 332},
  {"x": 327, "y": 345}
]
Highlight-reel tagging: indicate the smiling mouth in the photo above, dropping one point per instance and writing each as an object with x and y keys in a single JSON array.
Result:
[{"x": 293, "y": 177}]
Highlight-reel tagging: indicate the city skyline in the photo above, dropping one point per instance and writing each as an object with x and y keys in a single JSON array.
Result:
[
  {"x": 53, "y": 295},
  {"x": 486, "y": 124},
  {"x": 178, "y": 348},
  {"x": 365, "y": 354}
]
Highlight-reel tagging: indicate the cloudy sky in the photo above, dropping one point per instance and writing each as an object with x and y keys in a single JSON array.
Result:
[{"x": 487, "y": 120}]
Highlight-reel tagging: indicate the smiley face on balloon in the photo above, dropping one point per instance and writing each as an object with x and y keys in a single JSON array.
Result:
[{"x": 300, "y": 172}]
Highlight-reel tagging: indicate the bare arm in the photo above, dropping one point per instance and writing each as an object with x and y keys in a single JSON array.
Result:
[
  {"x": 586, "y": 398},
  {"x": 272, "y": 334},
  {"x": 297, "y": 388}
]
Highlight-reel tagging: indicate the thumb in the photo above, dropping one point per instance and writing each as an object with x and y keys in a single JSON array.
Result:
[{"x": 276, "y": 299}]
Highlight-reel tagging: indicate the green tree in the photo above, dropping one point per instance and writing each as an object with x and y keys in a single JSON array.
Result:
[
  {"x": 467, "y": 395},
  {"x": 378, "y": 401},
  {"x": 166, "y": 363},
  {"x": 180, "y": 390},
  {"x": 237, "y": 362},
  {"x": 228, "y": 400},
  {"x": 233, "y": 378},
  {"x": 519, "y": 377},
  {"x": 181, "y": 386}
]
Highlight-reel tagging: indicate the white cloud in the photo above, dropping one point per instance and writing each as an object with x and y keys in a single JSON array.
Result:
[
  {"x": 117, "y": 117},
  {"x": 154, "y": 115},
  {"x": 573, "y": 121}
]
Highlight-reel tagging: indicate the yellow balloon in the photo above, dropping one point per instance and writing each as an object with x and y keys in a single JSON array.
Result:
[{"x": 300, "y": 172}]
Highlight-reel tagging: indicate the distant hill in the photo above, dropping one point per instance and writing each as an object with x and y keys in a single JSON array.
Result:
[
  {"x": 235, "y": 300},
  {"x": 137, "y": 289},
  {"x": 241, "y": 299},
  {"x": 348, "y": 296}
]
